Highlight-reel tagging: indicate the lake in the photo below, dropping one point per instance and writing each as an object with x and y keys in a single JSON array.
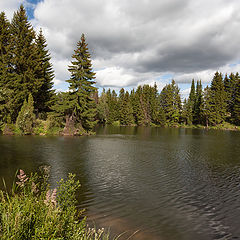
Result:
[{"x": 170, "y": 184}]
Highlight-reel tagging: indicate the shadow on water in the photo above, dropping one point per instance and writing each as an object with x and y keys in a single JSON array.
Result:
[{"x": 167, "y": 183}]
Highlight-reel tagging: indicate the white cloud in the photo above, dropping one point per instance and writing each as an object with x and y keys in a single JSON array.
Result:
[
  {"x": 139, "y": 41},
  {"x": 9, "y": 6}
]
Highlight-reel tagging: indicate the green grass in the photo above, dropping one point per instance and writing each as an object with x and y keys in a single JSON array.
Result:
[{"x": 31, "y": 210}]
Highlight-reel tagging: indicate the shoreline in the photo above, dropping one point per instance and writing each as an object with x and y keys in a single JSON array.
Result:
[{"x": 9, "y": 131}]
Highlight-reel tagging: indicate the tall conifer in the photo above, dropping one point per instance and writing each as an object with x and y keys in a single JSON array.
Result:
[
  {"x": 44, "y": 74},
  {"x": 24, "y": 60},
  {"x": 82, "y": 87}
]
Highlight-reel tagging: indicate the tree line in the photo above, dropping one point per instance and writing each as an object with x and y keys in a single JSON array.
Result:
[
  {"x": 211, "y": 106},
  {"x": 27, "y": 98}
]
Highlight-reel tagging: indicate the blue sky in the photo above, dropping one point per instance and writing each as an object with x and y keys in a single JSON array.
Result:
[{"x": 140, "y": 41}]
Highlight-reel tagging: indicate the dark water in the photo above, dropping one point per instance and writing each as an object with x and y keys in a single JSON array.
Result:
[{"x": 170, "y": 184}]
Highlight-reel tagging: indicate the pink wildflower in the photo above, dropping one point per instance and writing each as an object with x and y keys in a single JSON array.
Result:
[{"x": 22, "y": 178}]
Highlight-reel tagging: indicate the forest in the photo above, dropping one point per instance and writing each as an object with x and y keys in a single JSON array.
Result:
[{"x": 30, "y": 105}]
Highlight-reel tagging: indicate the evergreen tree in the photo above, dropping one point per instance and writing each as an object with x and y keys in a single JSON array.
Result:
[
  {"x": 192, "y": 95},
  {"x": 44, "y": 74},
  {"x": 6, "y": 95},
  {"x": 187, "y": 115},
  {"x": 24, "y": 60},
  {"x": 113, "y": 111},
  {"x": 102, "y": 107},
  {"x": 171, "y": 102},
  {"x": 198, "y": 104},
  {"x": 26, "y": 117},
  {"x": 236, "y": 105},
  {"x": 5, "y": 49},
  {"x": 207, "y": 108},
  {"x": 125, "y": 108},
  {"x": 81, "y": 103},
  {"x": 60, "y": 108},
  {"x": 230, "y": 86},
  {"x": 218, "y": 100},
  {"x": 137, "y": 104}
]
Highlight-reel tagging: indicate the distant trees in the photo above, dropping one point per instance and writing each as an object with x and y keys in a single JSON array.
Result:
[{"x": 212, "y": 106}]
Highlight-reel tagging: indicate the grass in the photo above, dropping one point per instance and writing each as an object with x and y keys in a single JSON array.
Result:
[{"x": 31, "y": 210}]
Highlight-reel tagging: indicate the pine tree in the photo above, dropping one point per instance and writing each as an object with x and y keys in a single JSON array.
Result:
[
  {"x": 137, "y": 103},
  {"x": 81, "y": 87},
  {"x": 5, "y": 49},
  {"x": 24, "y": 60},
  {"x": 230, "y": 87},
  {"x": 44, "y": 74},
  {"x": 171, "y": 102},
  {"x": 125, "y": 108},
  {"x": 218, "y": 100},
  {"x": 102, "y": 108},
  {"x": 187, "y": 116},
  {"x": 6, "y": 95},
  {"x": 206, "y": 112},
  {"x": 236, "y": 105},
  {"x": 26, "y": 117},
  {"x": 198, "y": 104},
  {"x": 192, "y": 95}
]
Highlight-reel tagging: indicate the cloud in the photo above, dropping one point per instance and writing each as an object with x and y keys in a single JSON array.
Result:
[
  {"x": 9, "y": 6},
  {"x": 139, "y": 41}
]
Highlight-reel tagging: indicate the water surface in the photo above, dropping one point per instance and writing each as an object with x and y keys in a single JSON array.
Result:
[{"x": 170, "y": 184}]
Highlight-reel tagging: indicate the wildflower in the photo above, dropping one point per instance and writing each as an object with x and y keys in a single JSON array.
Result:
[
  {"x": 22, "y": 178},
  {"x": 51, "y": 197}
]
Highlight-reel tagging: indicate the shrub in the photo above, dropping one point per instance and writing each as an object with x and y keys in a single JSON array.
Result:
[
  {"x": 33, "y": 211},
  {"x": 26, "y": 117}
]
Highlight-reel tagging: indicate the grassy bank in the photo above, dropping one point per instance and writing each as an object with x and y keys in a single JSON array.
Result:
[{"x": 31, "y": 210}]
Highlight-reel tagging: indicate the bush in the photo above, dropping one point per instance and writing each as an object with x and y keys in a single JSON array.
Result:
[
  {"x": 33, "y": 211},
  {"x": 26, "y": 117}
]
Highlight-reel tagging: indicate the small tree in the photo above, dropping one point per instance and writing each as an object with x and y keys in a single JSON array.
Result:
[{"x": 26, "y": 117}]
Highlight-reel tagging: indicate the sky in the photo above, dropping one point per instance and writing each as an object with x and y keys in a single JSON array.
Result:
[{"x": 136, "y": 42}]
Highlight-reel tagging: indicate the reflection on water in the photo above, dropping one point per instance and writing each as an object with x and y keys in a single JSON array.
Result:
[{"x": 168, "y": 183}]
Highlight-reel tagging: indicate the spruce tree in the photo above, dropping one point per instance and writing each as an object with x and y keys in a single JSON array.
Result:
[
  {"x": 24, "y": 60},
  {"x": 125, "y": 108},
  {"x": 44, "y": 74},
  {"x": 218, "y": 100},
  {"x": 6, "y": 95},
  {"x": 230, "y": 87},
  {"x": 171, "y": 102},
  {"x": 192, "y": 95},
  {"x": 187, "y": 116},
  {"x": 137, "y": 104},
  {"x": 207, "y": 107},
  {"x": 236, "y": 104},
  {"x": 102, "y": 108},
  {"x": 198, "y": 104},
  {"x": 81, "y": 103}
]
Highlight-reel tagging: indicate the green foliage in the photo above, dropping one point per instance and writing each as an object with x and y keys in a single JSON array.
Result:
[
  {"x": 125, "y": 108},
  {"x": 217, "y": 101},
  {"x": 45, "y": 75},
  {"x": 81, "y": 101},
  {"x": 33, "y": 211},
  {"x": 236, "y": 103},
  {"x": 26, "y": 117},
  {"x": 170, "y": 101},
  {"x": 24, "y": 66},
  {"x": 103, "y": 108}
]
